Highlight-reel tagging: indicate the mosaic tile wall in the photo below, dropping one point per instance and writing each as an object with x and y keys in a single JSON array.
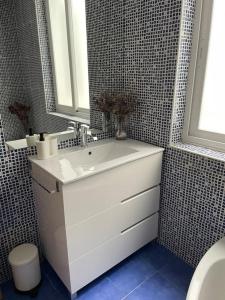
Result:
[
  {"x": 192, "y": 202},
  {"x": 105, "y": 33},
  {"x": 151, "y": 42},
  {"x": 17, "y": 211}
]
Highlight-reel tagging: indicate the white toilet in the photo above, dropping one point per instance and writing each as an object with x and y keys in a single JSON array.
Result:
[{"x": 208, "y": 280}]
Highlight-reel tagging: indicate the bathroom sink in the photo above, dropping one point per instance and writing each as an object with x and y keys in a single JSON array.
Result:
[
  {"x": 76, "y": 163},
  {"x": 95, "y": 155}
]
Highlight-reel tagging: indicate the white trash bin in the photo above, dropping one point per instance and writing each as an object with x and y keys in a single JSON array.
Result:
[{"x": 24, "y": 261}]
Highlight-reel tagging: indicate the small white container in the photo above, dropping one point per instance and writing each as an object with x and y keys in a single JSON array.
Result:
[
  {"x": 43, "y": 147},
  {"x": 24, "y": 261},
  {"x": 31, "y": 140}
]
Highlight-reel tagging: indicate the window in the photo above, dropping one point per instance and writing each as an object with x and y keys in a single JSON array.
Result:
[
  {"x": 68, "y": 43},
  {"x": 205, "y": 113}
]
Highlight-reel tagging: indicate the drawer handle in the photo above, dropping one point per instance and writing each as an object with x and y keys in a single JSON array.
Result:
[
  {"x": 133, "y": 196},
  {"x": 134, "y": 225}
]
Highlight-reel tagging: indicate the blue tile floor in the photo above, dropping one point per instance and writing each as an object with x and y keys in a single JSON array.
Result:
[{"x": 152, "y": 273}]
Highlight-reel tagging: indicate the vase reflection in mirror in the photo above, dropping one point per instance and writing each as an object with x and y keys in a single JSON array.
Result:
[
  {"x": 120, "y": 124},
  {"x": 107, "y": 122}
]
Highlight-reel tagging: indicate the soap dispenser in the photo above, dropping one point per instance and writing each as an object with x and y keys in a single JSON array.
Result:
[
  {"x": 43, "y": 149},
  {"x": 31, "y": 138}
]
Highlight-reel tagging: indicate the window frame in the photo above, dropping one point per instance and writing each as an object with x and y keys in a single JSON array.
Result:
[
  {"x": 69, "y": 59},
  {"x": 196, "y": 77}
]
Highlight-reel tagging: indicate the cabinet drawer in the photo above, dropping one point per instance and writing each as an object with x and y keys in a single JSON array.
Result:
[
  {"x": 139, "y": 207},
  {"x": 98, "y": 229},
  {"x": 92, "y": 195},
  {"x": 102, "y": 258},
  {"x": 44, "y": 179}
]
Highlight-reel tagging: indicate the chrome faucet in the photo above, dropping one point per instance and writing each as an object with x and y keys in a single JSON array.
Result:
[
  {"x": 85, "y": 132},
  {"x": 75, "y": 126}
]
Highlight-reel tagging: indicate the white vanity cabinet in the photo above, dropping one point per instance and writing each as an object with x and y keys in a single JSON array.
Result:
[{"x": 89, "y": 225}]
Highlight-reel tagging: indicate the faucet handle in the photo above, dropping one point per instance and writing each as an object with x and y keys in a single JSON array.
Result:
[
  {"x": 84, "y": 128},
  {"x": 70, "y": 128},
  {"x": 72, "y": 124}
]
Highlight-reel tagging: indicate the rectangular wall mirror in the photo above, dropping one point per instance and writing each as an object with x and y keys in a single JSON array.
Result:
[
  {"x": 68, "y": 44},
  {"x": 68, "y": 52}
]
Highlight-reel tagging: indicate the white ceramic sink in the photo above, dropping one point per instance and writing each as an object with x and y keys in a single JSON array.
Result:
[
  {"x": 76, "y": 163},
  {"x": 98, "y": 154}
]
